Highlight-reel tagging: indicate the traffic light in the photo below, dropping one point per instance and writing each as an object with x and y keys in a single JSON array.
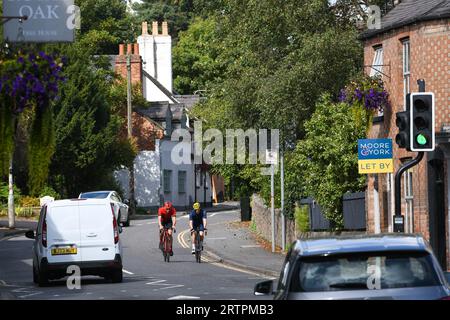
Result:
[
  {"x": 422, "y": 121},
  {"x": 403, "y": 137}
]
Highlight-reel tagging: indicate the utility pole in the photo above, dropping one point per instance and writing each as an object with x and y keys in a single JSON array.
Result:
[
  {"x": 129, "y": 127},
  {"x": 11, "y": 211},
  {"x": 272, "y": 203},
  {"x": 283, "y": 217}
]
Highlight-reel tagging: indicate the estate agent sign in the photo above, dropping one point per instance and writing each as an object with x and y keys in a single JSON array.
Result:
[{"x": 375, "y": 156}]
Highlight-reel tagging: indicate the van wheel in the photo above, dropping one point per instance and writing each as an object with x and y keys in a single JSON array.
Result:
[
  {"x": 116, "y": 276},
  {"x": 35, "y": 276},
  {"x": 42, "y": 279}
]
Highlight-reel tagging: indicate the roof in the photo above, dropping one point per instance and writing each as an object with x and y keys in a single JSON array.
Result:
[
  {"x": 361, "y": 243},
  {"x": 72, "y": 202},
  {"x": 409, "y": 12},
  {"x": 158, "y": 111},
  {"x": 189, "y": 101}
]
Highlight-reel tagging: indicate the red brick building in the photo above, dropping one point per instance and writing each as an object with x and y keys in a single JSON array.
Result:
[{"x": 413, "y": 43}]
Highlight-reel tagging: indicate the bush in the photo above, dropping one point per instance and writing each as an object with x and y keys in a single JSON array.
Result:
[
  {"x": 29, "y": 202},
  {"x": 302, "y": 218},
  {"x": 49, "y": 191},
  {"x": 4, "y": 192}
]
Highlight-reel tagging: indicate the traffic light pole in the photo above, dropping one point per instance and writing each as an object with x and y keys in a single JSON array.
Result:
[{"x": 399, "y": 225}]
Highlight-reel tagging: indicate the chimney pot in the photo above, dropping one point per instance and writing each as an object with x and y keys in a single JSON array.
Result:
[
  {"x": 144, "y": 28},
  {"x": 136, "y": 49},
  {"x": 165, "y": 29},
  {"x": 129, "y": 48},
  {"x": 155, "y": 31},
  {"x": 121, "y": 49}
]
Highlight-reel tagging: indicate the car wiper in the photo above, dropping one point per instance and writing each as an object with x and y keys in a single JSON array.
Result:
[{"x": 349, "y": 285}]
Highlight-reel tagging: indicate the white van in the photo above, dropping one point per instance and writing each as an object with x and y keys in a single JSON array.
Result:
[{"x": 82, "y": 232}]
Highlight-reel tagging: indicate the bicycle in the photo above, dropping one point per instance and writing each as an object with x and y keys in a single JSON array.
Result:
[
  {"x": 166, "y": 244},
  {"x": 198, "y": 245}
]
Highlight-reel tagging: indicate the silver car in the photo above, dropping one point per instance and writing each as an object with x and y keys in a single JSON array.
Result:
[
  {"x": 386, "y": 267},
  {"x": 120, "y": 208}
]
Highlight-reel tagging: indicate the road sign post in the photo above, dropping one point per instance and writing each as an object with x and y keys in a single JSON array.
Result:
[{"x": 272, "y": 159}]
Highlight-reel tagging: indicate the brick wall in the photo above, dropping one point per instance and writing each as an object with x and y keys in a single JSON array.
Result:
[{"x": 429, "y": 60}]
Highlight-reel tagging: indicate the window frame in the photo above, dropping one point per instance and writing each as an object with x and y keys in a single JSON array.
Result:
[
  {"x": 182, "y": 186},
  {"x": 406, "y": 68},
  {"x": 167, "y": 181}
]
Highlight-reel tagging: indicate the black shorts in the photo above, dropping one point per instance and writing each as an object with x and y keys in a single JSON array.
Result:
[{"x": 167, "y": 225}]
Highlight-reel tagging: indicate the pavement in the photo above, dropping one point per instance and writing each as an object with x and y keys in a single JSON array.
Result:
[
  {"x": 232, "y": 243},
  {"x": 22, "y": 226}
]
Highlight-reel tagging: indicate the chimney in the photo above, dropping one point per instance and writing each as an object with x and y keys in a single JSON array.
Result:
[
  {"x": 156, "y": 52},
  {"x": 165, "y": 29},
  {"x": 155, "y": 31},
  {"x": 136, "y": 63},
  {"x": 144, "y": 28}
]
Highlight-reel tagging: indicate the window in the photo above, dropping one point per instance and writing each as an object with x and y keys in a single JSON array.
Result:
[
  {"x": 357, "y": 271},
  {"x": 406, "y": 69},
  {"x": 181, "y": 181},
  {"x": 167, "y": 177},
  {"x": 377, "y": 65}
]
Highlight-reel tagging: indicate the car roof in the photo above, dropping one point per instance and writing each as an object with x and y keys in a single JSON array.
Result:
[
  {"x": 104, "y": 191},
  {"x": 74, "y": 202},
  {"x": 361, "y": 243}
]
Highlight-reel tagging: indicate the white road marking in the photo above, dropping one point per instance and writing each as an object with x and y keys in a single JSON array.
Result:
[
  {"x": 251, "y": 246},
  {"x": 155, "y": 222},
  {"x": 3, "y": 283},
  {"x": 127, "y": 272},
  {"x": 157, "y": 283},
  {"x": 28, "y": 261},
  {"x": 138, "y": 225},
  {"x": 30, "y": 294},
  {"x": 183, "y": 298},
  {"x": 172, "y": 287},
  {"x": 219, "y": 238}
]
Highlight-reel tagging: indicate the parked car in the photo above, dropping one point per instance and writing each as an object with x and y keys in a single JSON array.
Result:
[
  {"x": 120, "y": 208},
  {"x": 82, "y": 232},
  {"x": 386, "y": 266}
]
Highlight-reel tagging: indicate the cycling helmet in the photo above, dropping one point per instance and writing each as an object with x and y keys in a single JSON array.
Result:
[{"x": 196, "y": 206}]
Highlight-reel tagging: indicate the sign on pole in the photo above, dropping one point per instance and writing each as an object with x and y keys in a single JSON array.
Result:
[
  {"x": 375, "y": 156},
  {"x": 47, "y": 20},
  {"x": 271, "y": 157}
]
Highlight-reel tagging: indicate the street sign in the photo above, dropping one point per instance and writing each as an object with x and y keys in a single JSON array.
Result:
[
  {"x": 375, "y": 156},
  {"x": 47, "y": 20},
  {"x": 271, "y": 157}
]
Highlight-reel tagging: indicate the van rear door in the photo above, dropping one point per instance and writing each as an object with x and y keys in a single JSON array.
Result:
[
  {"x": 97, "y": 232},
  {"x": 63, "y": 233}
]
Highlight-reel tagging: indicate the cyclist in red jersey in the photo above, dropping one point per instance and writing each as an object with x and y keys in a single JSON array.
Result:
[{"x": 167, "y": 218}]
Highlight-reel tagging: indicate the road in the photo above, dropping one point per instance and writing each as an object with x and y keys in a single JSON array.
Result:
[{"x": 146, "y": 275}]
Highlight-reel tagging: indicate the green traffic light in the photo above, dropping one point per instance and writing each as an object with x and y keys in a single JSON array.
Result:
[{"x": 421, "y": 139}]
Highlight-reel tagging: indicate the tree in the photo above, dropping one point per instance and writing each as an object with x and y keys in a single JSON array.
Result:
[
  {"x": 195, "y": 57},
  {"x": 88, "y": 146},
  {"x": 326, "y": 160}
]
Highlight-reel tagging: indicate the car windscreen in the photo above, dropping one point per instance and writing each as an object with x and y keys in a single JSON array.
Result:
[
  {"x": 364, "y": 271},
  {"x": 94, "y": 195}
]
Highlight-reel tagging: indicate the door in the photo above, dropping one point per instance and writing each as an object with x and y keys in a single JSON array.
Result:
[
  {"x": 97, "y": 232},
  {"x": 63, "y": 232}
]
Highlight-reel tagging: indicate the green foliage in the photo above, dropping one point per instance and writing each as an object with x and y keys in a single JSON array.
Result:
[
  {"x": 6, "y": 137},
  {"x": 29, "y": 202},
  {"x": 4, "y": 192},
  {"x": 327, "y": 159},
  {"x": 177, "y": 13},
  {"x": 88, "y": 144},
  {"x": 41, "y": 149},
  {"x": 49, "y": 191},
  {"x": 195, "y": 57},
  {"x": 302, "y": 218}
]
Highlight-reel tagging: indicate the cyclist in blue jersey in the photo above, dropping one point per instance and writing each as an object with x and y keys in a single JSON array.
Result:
[{"x": 197, "y": 219}]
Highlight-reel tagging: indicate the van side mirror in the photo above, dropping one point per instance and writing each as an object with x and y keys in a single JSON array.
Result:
[
  {"x": 30, "y": 234},
  {"x": 264, "y": 288},
  {"x": 126, "y": 201}
]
